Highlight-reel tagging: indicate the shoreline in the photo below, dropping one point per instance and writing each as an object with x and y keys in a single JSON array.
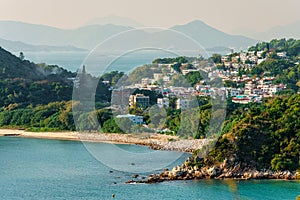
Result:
[
  {"x": 154, "y": 141},
  {"x": 225, "y": 171},
  {"x": 158, "y": 142}
]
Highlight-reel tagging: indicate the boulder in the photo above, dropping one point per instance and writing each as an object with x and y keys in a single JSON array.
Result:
[
  {"x": 135, "y": 175},
  {"x": 198, "y": 174},
  {"x": 287, "y": 175},
  {"x": 212, "y": 172}
]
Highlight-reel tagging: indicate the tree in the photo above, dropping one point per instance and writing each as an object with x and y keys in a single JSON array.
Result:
[
  {"x": 194, "y": 77},
  {"x": 176, "y": 67},
  {"x": 21, "y": 56},
  {"x": 216, "y": 58}
]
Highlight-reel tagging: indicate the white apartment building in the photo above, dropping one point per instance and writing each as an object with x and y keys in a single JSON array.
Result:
[{"x": 182, "y": 104}]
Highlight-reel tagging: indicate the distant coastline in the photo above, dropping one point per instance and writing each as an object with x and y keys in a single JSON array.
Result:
[{"x": 154, "y": 141}]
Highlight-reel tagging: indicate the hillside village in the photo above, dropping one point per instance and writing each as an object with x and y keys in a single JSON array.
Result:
[
  {"x": 178, "y": 81},
  {"x": 232, "y": 67}
]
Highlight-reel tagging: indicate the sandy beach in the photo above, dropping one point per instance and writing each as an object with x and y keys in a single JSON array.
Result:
[{"x": 154, "y": 141}]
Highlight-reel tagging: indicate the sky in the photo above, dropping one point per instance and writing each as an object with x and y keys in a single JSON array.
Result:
[{"x": 229, "y": 16}]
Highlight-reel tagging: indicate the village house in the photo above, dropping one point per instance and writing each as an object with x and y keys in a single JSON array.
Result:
[
  {"x": 182, "y": 104},
  {"x": 139, "y": 100}
]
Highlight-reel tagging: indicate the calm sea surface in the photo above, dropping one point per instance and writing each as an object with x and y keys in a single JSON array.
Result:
[
  {"x": 55, "y": 169},
  {"x": 96, "y": 63}
]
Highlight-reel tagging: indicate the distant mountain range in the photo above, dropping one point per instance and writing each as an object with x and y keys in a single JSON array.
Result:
[
  {"x": 87, "y": 37},
  {"x": 16, "y": 46},
  {"x": 84, "y": 37},
  {"x": 210, "y": 37},
  {"x": 287, "y": 31}
]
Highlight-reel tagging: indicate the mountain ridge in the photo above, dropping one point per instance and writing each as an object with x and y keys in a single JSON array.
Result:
[
  {"x": 87, "y": 37},
  {"x": 291, "y": 30},
  {"x": 17, "y": 46},
  {"x": 199, "y": 31}
]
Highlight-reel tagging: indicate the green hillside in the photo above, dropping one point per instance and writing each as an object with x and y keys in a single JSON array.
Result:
[
  {"x": 24, "y": 83},
  {"x": 264, "y": 137}
]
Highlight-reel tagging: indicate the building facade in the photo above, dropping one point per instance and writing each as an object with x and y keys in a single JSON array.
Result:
[
  {"x": 139, "y": 100},
  {"x": 163, "y": 102}
]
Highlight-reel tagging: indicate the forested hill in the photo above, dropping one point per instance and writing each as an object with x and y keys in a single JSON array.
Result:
[
  {"x": 14, "y": 67},
  {"x": 24, "y": 83},
  {"x": 263, "y": 137}
]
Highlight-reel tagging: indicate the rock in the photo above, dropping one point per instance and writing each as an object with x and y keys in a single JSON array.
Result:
[
  {"x": 266, "y": 175},
  {"x": 135, "y": 175},
  {"x": 228, "y": 175},
  {"x": 130, "y": 182},
  {"x": 257, "y": 175},
  {"x": 165, "y": 174},
  {"x": 225, "y": 164},
  {"x": 212, "y": 172},
  {"x": 196, "y": 168},
  {"x": 247, "y": 175},
  {"x": 198, "y": 174},
  {"x": 175, "y": 169},
  {"x": 236, "y": 168},
  {"x": 287, "y": 175},
  {"x": 154, "y": 179},
  {"x": 297, "y": 175}
]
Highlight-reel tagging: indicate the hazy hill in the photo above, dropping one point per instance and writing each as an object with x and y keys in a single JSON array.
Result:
[
  {"x": 85, "y": 37},
  {"x": 23, "y": 83},
  {"x": 285, "y": 31},
  {"x": 209, "y": 37},
  {"x": 89, "y": 36},
  {"x": 16, "y": 46},
  {"x": 13, "y": 67}
]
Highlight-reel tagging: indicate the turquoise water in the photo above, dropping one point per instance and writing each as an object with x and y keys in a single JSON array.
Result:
[{"x": 55, "y": 169}]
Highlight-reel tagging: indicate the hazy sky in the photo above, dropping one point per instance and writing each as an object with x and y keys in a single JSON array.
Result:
[{"x": 227, "y": 15}]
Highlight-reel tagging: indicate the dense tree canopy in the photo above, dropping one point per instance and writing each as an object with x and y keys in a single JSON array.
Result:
[{"x": 265, "y": 136}]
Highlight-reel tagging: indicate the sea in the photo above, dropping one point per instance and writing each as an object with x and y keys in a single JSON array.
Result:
[
  {"x": 58, "y": 169},
  {"x": 97, "y": 63}
]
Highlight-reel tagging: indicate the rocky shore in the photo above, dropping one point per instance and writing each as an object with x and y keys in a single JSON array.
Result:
[{"x": 226, "y": 170}]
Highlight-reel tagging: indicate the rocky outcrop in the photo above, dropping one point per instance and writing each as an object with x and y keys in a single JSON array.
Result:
[{"x": 226, "y": 170}]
